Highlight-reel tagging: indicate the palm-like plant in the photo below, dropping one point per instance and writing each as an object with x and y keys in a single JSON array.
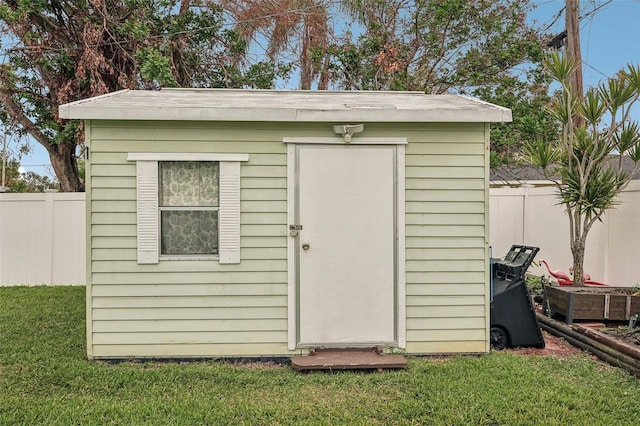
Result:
[
  {"x": 301, "y": 26},
  {"x": 596, "y": 128}
]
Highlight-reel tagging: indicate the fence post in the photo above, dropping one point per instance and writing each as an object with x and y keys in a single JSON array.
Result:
[
  {"x": 525, "y": 211},
  {"x": 48, "y": 230}
]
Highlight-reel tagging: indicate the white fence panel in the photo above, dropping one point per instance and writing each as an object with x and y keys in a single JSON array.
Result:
[
  {"x": 42, "y": 236},
  {"x": 613, "y": 245},
  {"x": 42, "y": 239},
  {"x": 623, "y": 240},
  {"x": 506, "y": 216}
]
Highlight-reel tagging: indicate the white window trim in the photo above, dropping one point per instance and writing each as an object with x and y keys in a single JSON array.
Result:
[
  {"x": 148, "y": 227},
  {"x": 185, "y": 156}
]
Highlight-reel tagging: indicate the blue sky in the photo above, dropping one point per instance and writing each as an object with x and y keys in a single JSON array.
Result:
[{"x": 610, "y": 39}]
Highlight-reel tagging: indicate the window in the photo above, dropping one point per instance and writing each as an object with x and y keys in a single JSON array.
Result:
[
  {"x": 188, "y": 206},
  {"x": 188, "y": 203}
]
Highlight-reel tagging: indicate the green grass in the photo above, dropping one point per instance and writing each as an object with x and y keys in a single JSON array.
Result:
[{"x": 46, "y": 379}]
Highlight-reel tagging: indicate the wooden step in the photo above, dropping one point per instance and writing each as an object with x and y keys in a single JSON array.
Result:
[{"x": 348, "y": 359}]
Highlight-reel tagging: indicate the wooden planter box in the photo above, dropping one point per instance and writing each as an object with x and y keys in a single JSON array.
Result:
[{"x": 593, "y": 303}]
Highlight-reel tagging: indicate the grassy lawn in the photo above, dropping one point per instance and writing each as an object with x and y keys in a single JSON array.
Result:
[{"x": 46, "y": 379}]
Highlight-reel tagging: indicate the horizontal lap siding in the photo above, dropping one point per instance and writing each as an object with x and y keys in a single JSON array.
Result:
[
  {"x": 446, "y": 228},
  {"x": 188, "y": 308},
  {"x": 201, "y": 308}
]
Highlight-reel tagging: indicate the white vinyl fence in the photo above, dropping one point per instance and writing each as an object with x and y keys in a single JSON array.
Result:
[
  {"x": 42, "y": 236},
  {"x": 531, "y": 216},
  {"x": 42, "y": 239}
]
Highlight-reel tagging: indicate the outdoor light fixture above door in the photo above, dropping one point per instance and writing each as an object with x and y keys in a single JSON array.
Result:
[{"x": 348, "y": 130}]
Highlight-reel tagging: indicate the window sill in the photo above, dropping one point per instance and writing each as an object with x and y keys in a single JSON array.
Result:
[{"x": 188, "y": 257}]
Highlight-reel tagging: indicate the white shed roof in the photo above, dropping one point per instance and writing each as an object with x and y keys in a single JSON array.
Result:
[{"x": 284, "y": 105}]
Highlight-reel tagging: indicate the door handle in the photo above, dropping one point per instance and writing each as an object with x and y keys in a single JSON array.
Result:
[{"x": 305, "y": 246}]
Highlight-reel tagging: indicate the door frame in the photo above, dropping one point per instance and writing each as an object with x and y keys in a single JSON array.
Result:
[{"x": 399, "y": 231}]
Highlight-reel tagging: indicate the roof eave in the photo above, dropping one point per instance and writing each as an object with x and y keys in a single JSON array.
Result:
[
  {"x": 82, "y": 112},
  {"x": 122, "y": 106}
]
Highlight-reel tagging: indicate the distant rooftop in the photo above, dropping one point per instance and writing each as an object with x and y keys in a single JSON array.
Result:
[
  {"x": 511, "y": 174},
  {"x": 284, "y": 105}
]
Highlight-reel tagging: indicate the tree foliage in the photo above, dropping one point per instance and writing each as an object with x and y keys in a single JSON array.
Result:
[
  {"x": 11, "y": 172},
  {"x": 27, "y": 181},
  {"x": 482, "y": 48},
  {"x": 434, "y": 46},
  {"x": 587, "y": 162},
  {"x": 528, "y": 100},
  {"x": 290, "y": 27},
  {"x": 65, "y": 50}
]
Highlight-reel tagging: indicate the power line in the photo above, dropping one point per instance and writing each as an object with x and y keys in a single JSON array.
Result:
[
  {"x": 595, "y": 9},
  {"x": 559, "y": 40},
  {"x": 562, "y": 9},
  {"x": 555, "y": 19},
  {"x": 589, "y": 24},
  {"x": 595, "y": 69}
]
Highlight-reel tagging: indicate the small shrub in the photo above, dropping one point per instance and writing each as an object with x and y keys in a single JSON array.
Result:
[{"x": 534, "y": 284}]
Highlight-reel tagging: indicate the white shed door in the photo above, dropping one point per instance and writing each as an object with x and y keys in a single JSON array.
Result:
[{"x": 346, "y": 262}]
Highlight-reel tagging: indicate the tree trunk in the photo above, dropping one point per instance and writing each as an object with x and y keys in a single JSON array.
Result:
[
  {"x": 64, "y": 163},
  {"x": 323, "y": 82},
  {"x": 306, "y": 66},
  {"x": 578, "y": 249},
  {"x": 62, "y": 155}
]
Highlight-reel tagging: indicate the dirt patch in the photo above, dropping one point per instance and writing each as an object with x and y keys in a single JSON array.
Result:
[
  {"x": 554, "y": 347},
  {"x": 615, "y": 330}
]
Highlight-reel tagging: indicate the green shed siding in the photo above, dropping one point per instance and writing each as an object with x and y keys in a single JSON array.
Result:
[
  {"x": 170, "y": 308},
  {"x": 202, "y": 308},
  {"x": 446, "y": 239}
]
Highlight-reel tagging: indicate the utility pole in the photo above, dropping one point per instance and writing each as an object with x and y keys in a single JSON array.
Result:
[{"x": 572, "y": 50}]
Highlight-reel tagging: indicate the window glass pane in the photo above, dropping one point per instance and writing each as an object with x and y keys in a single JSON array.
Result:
[
  {"x": 188, "y": 183},
  {"x": 189, "y": 232}
]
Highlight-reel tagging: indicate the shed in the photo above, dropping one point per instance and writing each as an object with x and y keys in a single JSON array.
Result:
[{"x": 250, "y": 223}]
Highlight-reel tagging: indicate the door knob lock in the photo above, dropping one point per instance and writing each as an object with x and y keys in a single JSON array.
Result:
[
  {"x": 294, "y": 230},
  {"x": 305, "y": 246}
]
